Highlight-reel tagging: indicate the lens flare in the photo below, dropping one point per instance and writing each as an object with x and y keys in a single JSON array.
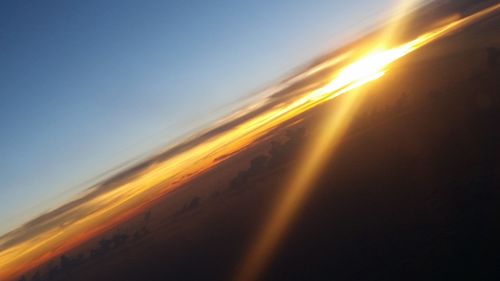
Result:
[
  {"x": 27, "y": 248},
  {"x": 358, "y": 73}
]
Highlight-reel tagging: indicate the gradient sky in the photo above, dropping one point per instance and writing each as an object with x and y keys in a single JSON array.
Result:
[{"x": 87, "y": 85}]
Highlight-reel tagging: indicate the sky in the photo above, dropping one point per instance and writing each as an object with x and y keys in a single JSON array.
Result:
[{"x": 88, "y": 85}]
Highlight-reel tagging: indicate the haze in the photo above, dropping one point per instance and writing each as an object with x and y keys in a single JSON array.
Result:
[{"x": 87, "y": 87}]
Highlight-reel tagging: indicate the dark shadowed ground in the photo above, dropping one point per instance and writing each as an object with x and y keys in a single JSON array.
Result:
[{"x": 413, "y": 192}]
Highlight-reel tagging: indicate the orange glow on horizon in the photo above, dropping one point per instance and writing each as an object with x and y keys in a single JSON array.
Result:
[
  {"x": 99, "y": 214},
  {"x": 360, "y": 72}
]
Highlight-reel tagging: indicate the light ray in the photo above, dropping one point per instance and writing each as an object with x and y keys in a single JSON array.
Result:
[
  {"x": 131, "y": 196},
  {"x": 360, "y": 72}
]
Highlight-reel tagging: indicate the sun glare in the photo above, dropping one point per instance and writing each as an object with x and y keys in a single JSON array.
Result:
[
  {"x": 367, "y": 68},
  {"x": 129, "y": 197}
]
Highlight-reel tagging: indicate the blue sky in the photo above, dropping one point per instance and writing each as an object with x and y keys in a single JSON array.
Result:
[{"x": 87, "y": 85}]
